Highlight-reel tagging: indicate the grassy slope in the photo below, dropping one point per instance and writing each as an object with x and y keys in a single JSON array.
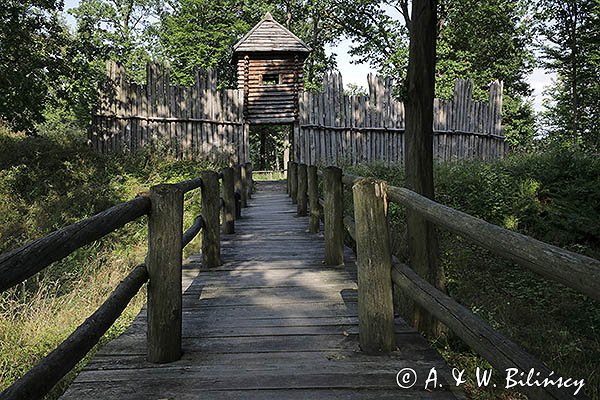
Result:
[
  {"x": 554, "y": 197},
  {"x": 46, "y": 184}
]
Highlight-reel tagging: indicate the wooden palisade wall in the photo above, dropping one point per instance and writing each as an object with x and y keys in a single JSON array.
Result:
[
  {"x": 336, "y": 129},
  {"x": 203, "y": 122},
  {"x": 197, "y": 121}
]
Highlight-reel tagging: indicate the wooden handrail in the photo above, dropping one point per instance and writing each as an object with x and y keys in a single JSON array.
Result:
[
  {"x": 19, "y": 264},
  {"x": 577, "y": 271},
  {"x": 192, "y": 231},
  {"x": 501, "y": 352},
  {"x": 45, "y": 374},
  {"x": 25, "y": 261},
  {"x": 571, "y": 269},
  {"x": 190, "y": 184}
]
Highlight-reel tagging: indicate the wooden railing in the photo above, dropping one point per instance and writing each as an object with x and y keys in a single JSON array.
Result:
[
  {"x": 163, "y": 205},
  {"x": 378, "y": 270}
]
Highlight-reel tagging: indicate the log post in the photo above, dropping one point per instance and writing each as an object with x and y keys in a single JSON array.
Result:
[
  {"x": 313, "y": 199},
  {"x": 165, "y": 230},
  {"x": 244, "y": 180},
  {"x": 239, "y": 185},
  {"x": 288, "y": 178},
  {"x": 228, "y": 193},
  {"x": 334, "y": 214},
  {"x": 249, "y": 182},
  {"x": 211, "y": 202},
  {"x": 294, "y": 182},
  {"x": 302, "y": 191},
  {"x": 374, "y": 263}
]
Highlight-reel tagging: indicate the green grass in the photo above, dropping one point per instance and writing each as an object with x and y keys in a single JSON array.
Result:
[
  {"x": 52, "y": 181},
  {"x": 554, "y": 197}
]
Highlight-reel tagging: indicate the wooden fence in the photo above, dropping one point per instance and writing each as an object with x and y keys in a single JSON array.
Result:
[
  {"x": 203, "y": 122},
  {"x": 163, "y": 205},
  {"x": 338, "y": 129},
  {"x": 197, "y": 121},
  {"x": 378, "y": 269}
]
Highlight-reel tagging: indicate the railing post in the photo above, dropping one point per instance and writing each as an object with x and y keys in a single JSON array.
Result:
[
  {"x": 294, "y": 182},
  {"x": 165, "y": 230},
  {"x": 228, "y": 194},
  {"x": 313, "y": 199},
  {"x": 302, "y": 191},
  {"x": 249, "y": 184},
  {"x": 334, "y": 214},
  {"x": 288, "y": 177},
  {"x": 374, "y": 262},
  {"x": 244, "y": 179},
  {"x": 211, "y": 238},
  {"x": 239, "y": 185}
]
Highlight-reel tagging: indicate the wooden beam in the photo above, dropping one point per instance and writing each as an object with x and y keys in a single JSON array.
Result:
[
  {"x": 294, "y": 182},
  {"x": 211, "y": 206},
  {"x": 302, "y": 209},
  {"x": 313, "y": 199},
  {"x": 571, "y": 269},
  {"x": 501, "y": 352},
  {"x": 38, "y": 381},
  {"x": 334, "y": 213},
  {"x": 192, "y": 231},
  {"x": 25, "y": 261},
  {"x": 374, "y": 263},
  {"x": 165, "y": 226},
  {"x": 228, "y": 193}
]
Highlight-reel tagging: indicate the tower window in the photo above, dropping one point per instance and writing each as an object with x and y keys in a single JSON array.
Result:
[{"x": 270, "y": 79}]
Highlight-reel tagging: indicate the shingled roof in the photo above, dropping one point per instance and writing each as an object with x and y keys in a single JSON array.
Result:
[{"x": 268, "y": 35}]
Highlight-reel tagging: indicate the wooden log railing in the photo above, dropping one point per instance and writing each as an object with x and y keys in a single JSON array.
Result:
[
  {"x": 374, "y": 259},
  {"x": 163, "y": 205}
]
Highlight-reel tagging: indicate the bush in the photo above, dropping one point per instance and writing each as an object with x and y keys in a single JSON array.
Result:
[
  {"x": 553, "y": 196},
  {"x": 50, "y": 181}
]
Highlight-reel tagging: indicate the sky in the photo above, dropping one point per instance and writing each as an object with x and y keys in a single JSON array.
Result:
[{"x": 357, "y": 73}]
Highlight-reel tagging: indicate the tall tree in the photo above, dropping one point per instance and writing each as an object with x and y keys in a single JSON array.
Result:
[
  {"x": 571, "y": 29},
  {"x": 32, "y": 57},
  {"x": 481, "y": 40},
  {"x": 422, "y": 239},
  {"x": 201, "y": 33},
  {"x": 118, "y": 30}
]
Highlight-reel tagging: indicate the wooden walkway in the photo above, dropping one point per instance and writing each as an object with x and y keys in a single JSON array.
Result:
[{"x": 271, "y": 323}]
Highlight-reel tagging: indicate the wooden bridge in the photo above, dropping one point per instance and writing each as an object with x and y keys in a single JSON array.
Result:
[
  {"x": 277, "y": 309},
  {"x": 271, "y": 322}
]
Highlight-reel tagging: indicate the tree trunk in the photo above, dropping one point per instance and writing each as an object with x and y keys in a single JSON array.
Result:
[{"x": 422, "y": 240}]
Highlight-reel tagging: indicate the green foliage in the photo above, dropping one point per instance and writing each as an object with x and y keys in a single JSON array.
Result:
[
  {"x": 52, "y": 180},
  {"x": 553, "y": 196},
  {"x": 201, "y": 33},
  {"x": 267, "y": 146},
  {"x": 32, "y": 57},
  {"x": 571, "y": 42}
]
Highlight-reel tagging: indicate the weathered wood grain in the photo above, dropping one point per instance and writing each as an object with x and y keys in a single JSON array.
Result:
[
  {"x": 333, "y": 209},
  {"x": 575, "y": 270},
  {"x": 228, "y": 194},
  {"x": 374, "y": 260},
  {"x": 25, "y": 261},
  {"x": 211, "y": 207},
  {"x": 501, "y": 352},
  {"x": 50, "y": 370},
  {"x": 165, "y": 226},
  {"x": 302, "y": 191},
  {"x": 263, "y": 333}
]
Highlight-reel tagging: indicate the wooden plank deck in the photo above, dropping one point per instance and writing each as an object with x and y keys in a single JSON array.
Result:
[{"x": 271, "y": 323}]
